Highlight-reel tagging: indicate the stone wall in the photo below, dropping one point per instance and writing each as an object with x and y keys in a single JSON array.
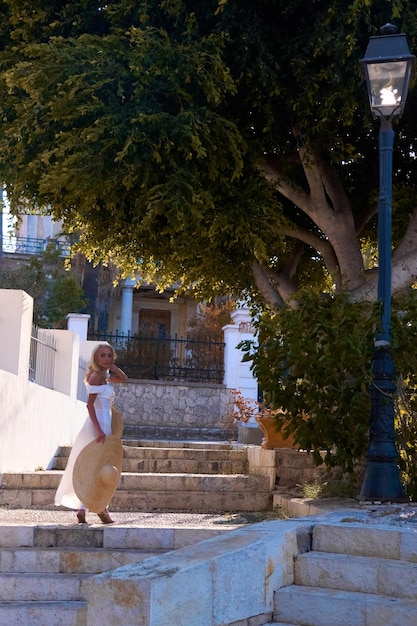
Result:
[{"x": 160, "y": 408}]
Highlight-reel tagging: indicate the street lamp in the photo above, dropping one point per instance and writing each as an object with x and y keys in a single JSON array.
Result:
[{"x": 388, "y": 66}]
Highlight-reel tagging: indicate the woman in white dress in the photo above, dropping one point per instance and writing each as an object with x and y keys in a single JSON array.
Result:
[{"x": 100, "y": 372}]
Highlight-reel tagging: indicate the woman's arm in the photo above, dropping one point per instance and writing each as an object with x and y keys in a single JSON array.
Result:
[
  {"x": 101, "y": 437},
  {"x": 117, "y": 375},
  {"x": 95, "y": 380}
]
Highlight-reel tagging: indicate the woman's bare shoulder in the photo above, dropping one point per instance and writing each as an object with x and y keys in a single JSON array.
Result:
[{"x": 95, "y": 379}]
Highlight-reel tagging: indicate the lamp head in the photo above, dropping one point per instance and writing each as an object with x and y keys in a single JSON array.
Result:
[{"x": 388, "y": 66}]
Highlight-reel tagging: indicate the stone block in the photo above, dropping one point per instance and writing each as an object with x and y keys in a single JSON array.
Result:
[
  {"x": 11, "y": 480},
  {"x": 322, "y": 606},
  {"x": 151, "y": 538},
  {"x": 42, "y": 614},
  {"x": 195, "y": 584},
  {"x": 42, "y": 587},
  {"x": 337, "y": 571},
  {"x": 42, "y": 498},
  {"x": 356, "y": 539},
  {"x": 16, "y": 536},
  {"x": 398, "y": 579},
  {"x": 41, "y": 480},
  {"x": 390, "y": 612},
  {"x": 184, "y": 537},
  {"x": 29, "y": 561},
  {"x": 98, "y": 561},
  {"x": 408, "y": 546},
  {"x": 56, "y": 537}
]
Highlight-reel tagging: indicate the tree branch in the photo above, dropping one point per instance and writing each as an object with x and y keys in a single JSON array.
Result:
[
  {"x": 364, "y": 216},
  {"x": 404, "y": 271},
  {"x": 312, "y": 173},
  {"x": 408, "y": 242},
  {"x": 275, "y": 288},
  {"x": 323, "y": 247},
  {"x": 333, "y": 187},
  {"x": 273, "y": 174},
  {"x": 291, "y": 264}
]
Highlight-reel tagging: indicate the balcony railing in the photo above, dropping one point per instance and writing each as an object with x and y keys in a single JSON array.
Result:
[
  {"x": 167, "y": 358},
  {"x": 32, "y": 245}
]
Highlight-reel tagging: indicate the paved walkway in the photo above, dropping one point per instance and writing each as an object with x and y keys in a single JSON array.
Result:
[
  {"x": 156, "y": 519},
  {"x": 392, "y": 514}
]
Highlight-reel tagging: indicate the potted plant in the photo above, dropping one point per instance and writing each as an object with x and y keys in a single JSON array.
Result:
[{"x": 265, "y": 415}]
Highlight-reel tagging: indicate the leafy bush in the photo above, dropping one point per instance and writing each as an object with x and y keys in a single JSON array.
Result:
[{"x": 315, "y": 362}]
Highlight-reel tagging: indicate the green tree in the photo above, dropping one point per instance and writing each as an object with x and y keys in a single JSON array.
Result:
[
  {"x": 225, "y": 143},
  {"x": 54, "y": 289}
]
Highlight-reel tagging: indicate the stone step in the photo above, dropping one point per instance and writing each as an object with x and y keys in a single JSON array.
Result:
[
  {"x": 354, "y": 573},
  {"x": 352, "y": 537},
  {"x": 61, "y": 542},
  {"x": 178, "y": 444},
  {"x": 175, "y": 460},
  {"x": 44, "y": 567},
  {"x": 42, "y": 587},
  {"x": 186, "y": 492},
  {"x": 186, "y": 466},
  {"x": 180, "y": 433},
  {"x": 43, "y": 613},
  {"x": 313, "y": 606},
  {"x": 49, "y": 480},
  {"x": 69, "y": 560}
]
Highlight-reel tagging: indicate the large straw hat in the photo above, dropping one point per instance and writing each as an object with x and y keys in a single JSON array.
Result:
[
  {"x": 116, "y": 422},
  {"x": 97, "y": 471}
]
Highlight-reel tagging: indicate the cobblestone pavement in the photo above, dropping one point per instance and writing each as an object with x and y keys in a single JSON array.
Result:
[
  {"x": 404, "y": 514},
  {"x": 152, "y": 519}
]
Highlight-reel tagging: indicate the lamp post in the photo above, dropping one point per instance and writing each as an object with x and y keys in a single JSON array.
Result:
[{"x": 388, "y": 66}]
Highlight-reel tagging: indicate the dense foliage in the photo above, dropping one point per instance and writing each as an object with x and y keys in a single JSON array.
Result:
[
  {"x": 314, "y": 361},
  {"x": 226, "y": 143},
  {"x": 54, "y": 289}
]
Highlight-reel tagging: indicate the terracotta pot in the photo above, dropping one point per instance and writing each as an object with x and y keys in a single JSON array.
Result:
[{"x": 273, "y": 438}]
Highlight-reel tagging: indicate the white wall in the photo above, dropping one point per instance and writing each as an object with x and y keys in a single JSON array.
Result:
[
  {"x": 34, "y": 420},
  {"x": 16, "y": 314}
]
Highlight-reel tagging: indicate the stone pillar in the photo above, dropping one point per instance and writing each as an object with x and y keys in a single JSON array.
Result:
[
  {"x": 127, "y": 306},
  {"x": 238, "y": 374},
  {"x": 78, "y": 322}
]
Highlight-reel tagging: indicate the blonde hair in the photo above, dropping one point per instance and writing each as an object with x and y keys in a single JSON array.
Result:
[{"x": 93, "y": 366}]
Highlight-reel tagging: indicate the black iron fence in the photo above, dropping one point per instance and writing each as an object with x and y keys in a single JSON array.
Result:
[{"x": 167, "y": 358}]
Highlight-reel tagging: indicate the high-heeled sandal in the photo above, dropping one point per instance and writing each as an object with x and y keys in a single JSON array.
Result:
[
  {"x": 81, "y": 516},
  {"x": 105, "y": 517}
]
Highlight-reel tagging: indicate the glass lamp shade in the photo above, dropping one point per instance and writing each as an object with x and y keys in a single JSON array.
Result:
[{"x": 388, "y": 66}]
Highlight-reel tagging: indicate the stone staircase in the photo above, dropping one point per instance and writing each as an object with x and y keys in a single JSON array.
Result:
[
  {"x": 44, "y": 568},
  {"x": 156, "y": 475},
  {"x": 355, "y": 575}
]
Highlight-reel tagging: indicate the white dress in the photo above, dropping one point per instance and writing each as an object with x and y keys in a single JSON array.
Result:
[{"x": 65, "y": 495}]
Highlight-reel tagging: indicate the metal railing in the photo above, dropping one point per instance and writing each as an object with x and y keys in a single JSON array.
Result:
[
  {"x": 81, "y": 389},
  {"x": 167, "y": 358},
  {"x": 32, "y": 245},
  {"x": 42, "y": 357}
]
